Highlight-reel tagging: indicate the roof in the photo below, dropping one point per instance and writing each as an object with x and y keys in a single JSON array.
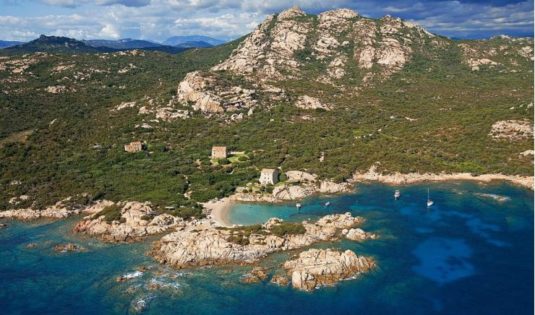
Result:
[
  {"x": 269, "y": 170},
  {"x": 218, "y": 147}
]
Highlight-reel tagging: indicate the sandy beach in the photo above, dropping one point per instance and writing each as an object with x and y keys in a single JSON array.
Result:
[{"x": 219, "y": 210}]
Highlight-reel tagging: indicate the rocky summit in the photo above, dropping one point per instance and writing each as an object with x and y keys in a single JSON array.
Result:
[{"x": 339, "y": 49}]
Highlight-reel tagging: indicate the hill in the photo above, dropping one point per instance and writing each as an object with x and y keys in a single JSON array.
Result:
[
  {"x": 8, "y": 43},
  {"x": 192, "y": 39},
  {"x": 122, "y": 44},
  {"x": 129, "y": 44},
  {"x": 331, "y": 94},
  {"x": 55, "y": 44}
]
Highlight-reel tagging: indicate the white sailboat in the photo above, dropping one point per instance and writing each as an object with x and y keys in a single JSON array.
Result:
[
  {"x": 429, "y": 201},
  {"x": 397, "y": 194},
  {"x": 298, "y": 206},
  {"x": 327, "y": 204}
]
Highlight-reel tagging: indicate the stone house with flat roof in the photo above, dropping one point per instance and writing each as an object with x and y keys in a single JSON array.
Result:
[
  {"x": 219, "y": 152},
  {"x": 269, "y": 176},
  {"x": 134, "y": 146}
]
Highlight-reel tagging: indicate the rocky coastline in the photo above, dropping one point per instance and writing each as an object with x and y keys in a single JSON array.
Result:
[
  {"x": 203, "y": 243},
  {"x": 316, "y": 268},
  {"x": 136, "y": 221},
  {"x": 60, "y": 210},
  {"x": 410, "y": 178}
]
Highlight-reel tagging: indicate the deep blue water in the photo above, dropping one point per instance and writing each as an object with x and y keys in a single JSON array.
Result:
[{"x": 468, "y": 254}]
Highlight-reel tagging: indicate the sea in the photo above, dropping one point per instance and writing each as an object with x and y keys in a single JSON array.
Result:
[{"x": 470, "y": 253}]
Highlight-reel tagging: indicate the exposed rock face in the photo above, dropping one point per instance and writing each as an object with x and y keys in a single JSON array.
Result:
[
  {"x": 258, "y": 274},
  {"x": 138, "y": 220},
  {"x": 124, "y": 105},
  {"x": 358, "y": 235},
  {"x": 170, "y": 114},
  {"x": 512, "y": 129},
  {"x": 527, "y": 153},
  {"x": 276, "y": 50},
  {"x": 299, "y": 185},
  {"x": 280, "y": 280},
  {"x": 355, "y": 51},
  {"x": 207, "y": 95},
  {"x": 69, "y": 247},
  {"x": 56, "y": 89},
  {"x": 271, "y": 46},
  {"x": 329, "y": 187},
  {"x": 292, "y": 192},
  {"x": 487, "y": 53},
  {"x": 203, "y": 244},
  {"x": 308, "y": 188},
  {"x": 386, "y": 44},
  {"x": 324, "y": 267},
  {"x": 299, "y": 176},
  {"x": 307, "y": 102}
]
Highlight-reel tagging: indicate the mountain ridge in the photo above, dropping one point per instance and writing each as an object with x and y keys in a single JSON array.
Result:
[{"x": 338, "y": 48}]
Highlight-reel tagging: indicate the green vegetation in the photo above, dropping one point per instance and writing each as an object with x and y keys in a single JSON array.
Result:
[
  {"x": 432, "y": 116},
  {"x": 111, "y": 213},
  {"x": 288, "y": 228},
  {"x": 240, "y": 235}
]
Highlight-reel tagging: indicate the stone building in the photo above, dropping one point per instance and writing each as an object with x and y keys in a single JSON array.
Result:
[
  {"x": 134, "y": 146},
  {"x": 269, "y": 176},
  {"x": 219, "y": 152}
]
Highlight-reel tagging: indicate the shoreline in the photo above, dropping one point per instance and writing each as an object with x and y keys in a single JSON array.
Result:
[
  {"x": 220, "y": 209},
  {"x": 412, "y": 178}
]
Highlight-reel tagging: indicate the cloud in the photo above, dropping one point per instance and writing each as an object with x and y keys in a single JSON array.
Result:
[
  {"x": 78, "y": 3},
  {"x": 227, "y": 19},
  {"x": 63, "y": 3},
  {"x": 128, "y": 3},
  {"x": 109, "y": 31}
]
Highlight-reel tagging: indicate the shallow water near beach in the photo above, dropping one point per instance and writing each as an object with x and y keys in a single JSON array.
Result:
[{"x": 471, "y": 253}]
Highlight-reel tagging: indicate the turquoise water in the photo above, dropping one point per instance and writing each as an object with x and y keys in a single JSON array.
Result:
[{"x": 468, "y": 254}]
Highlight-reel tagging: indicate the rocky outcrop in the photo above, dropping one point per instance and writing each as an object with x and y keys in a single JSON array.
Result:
[
  {"x": 205, "y": 93},
  {"x": 293, "y": 192},
  {"x": 137, "y": 220},
  {"x": 299, "y": 185},
  {"x": 358, "y": 235},
  {"x": 315, "y": 268},
  {"x": 501, "y": 53},
  {"x": 69, "y": 247},
  {"x": 270, "y": 47},
  {"x": 307, "y": 102},
  {"x": 202, "y": 243},
  {"x": 280, "y": 280},
  {"x": 300, "y": 176},
  {"x": 305, "y": 189},
  {"x": 512, "y": 130},
  {"x": 329, "y": 187},
  {"x": 258, "y": 274},
  {"x": 282, "y": 46},
  {"x": 124, "y": 105}
]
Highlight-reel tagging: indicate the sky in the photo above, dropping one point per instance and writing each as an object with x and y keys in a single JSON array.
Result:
[{"x": 157, "y": 20}]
